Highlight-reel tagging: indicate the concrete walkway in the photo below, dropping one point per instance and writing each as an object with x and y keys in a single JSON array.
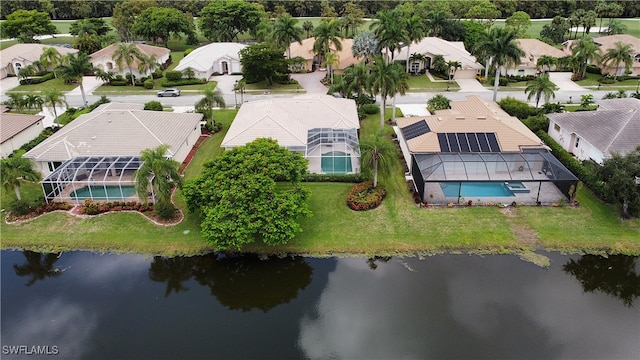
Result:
[
  {"x": 89, "y": 83},
  {"x": 8, "y": 83},
  {"x": 311, "y": 82},
  {"x": 563, "y": 82}
]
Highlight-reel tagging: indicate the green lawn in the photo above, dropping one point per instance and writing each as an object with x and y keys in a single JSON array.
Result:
[
  {"x": 47, "y": 85},
  {"x": 536, "y": 26},
  {"x": 421, "y": 83},
  {"x": 591, "y": 81},
  {"x": 396, "y": 227}
]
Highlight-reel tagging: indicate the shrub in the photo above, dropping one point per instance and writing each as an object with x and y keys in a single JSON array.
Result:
[
  {"x": 592, "y": 69},
  {"x": 148, "y": 84},
  {"x": 37, "y": 80},
  {"x": 345, "y": 178},
  {"x": 119, "y": 77},
  {"x": 517, "y": 78},
  {"x": 157, "y": 74},
  {"x": 364, "y": 99},
  {"x": 118, "y": 83},
  {"x": 90, "y": 207},
  {"x": 370, "y": 109},
  {"x": 517, "y": 108},
  {"x": 153, "y": 105},
  {"x": 364, "y": 196},
  {"x": 164, "y": 210},
  {"x": 503, "y": 81},
  {"x": 181, "y": 82},
  {"x": 21, "y": 207},
  {"x": 537, "y": 123},
  {"x": 173, "y": 75}
]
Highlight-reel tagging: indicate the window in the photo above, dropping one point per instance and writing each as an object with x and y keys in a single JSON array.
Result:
[
  {"x": 577, "y": 142},
  {"x": 556, "y": 127},
  {"x": 54, "y": 165},
  {"x": 415, "y": 67},
  {"x": 18, "y": 66}
]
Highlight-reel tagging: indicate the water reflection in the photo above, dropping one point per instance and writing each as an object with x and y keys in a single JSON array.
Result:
[
  {"x": 614, "y": 275},
  {"x": 238, "y": 282},
  {"x": 38, "y": 266}
]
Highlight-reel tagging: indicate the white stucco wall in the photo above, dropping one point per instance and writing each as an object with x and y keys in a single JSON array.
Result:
[
  {"x": 584, "y": 150},
  {"x": 187, "y": 145},
  {"x": 14, "y": 143}
]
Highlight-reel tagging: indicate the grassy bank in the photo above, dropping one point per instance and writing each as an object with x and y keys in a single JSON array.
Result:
[{"x": 396, "y": 227}]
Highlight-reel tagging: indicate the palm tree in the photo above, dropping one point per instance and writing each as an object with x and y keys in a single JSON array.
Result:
[
  {"x": 211, "y": 97},
  {"x": 500, "y": 45},
  {"x": 26, "y": 72},
  {"x": 33, "y": 101},
  {"x": 391, "y": 33},
  {"x": 540, "y": 86},
  {"x": 584, "y": 51},
  {"x": 453, "y": 67},
  {"x": 385, "y": 79},
  {"x": 400, "y": 86},
  {"x": 365, "y": 45},
  {"x": 436, "y": 21},
  {"x": 378, "y": 152},
  {"x": 53, "y": 97},
  {"x": 148, "y": 64},
  {"x": 307, "y": 26},
  {"x": 285, "y": 31},
  {"x": 189, "y": 73},
  {"x": 158, "y": 172},
  {"x": 50, "y": 59},
  {"x": 15, "y": 169},
  {"x": 620, "y": 53},
  {"x": 331, "y": 60},
  {"x": 547, "y": 60},
  {"x": 105, "y": 76},
  {"x": 16, "y": 101},
  {"x": 327, "y": 33},
  {"x": 38, "y": 266},
  {"x": 355, "y": 79},
  {"x": 128, "y": 53},
  {"x": 415, "y": 33},
  {"x": 417, "y": 58},
  {"x": 74, "y": 67}
]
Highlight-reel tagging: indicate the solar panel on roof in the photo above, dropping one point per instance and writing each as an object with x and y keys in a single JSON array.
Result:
[
  {"x": 463, "y": 142},
  {"x": 493, "y": 142},
  {"x": 442, "y": 140},
  {"x": 453, "y": 142},
  {"x": 473, "y": 142},
  {"x": 482, "y": 140},
  {"x": 414, "y": 130}
]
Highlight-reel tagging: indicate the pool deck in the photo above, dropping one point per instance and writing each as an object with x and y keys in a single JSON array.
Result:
[{"x": 549, "y": 194}]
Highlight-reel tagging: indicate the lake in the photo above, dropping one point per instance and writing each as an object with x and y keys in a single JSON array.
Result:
[{"x": 81, "y": 305}]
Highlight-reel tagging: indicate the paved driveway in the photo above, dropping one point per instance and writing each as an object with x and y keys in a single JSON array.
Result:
[
  {"x": 471, "y": 85},
  {"x": 226, "y": 83},
  {"x": 8, "y": 83},
  {"x": 311, "y": 82},
  {"x": 563, "y": 81}
]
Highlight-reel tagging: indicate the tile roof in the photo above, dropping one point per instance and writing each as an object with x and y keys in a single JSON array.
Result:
[
  {"x": 534, "y": 48},
  {"x": 450, "y": 50},
  {"x": 613, "y": 127},
  {"x": 202, "y": 58},
  {"x": 305, "y": 50},
  {"x": 107, "y": 53},
  {"x": 289, "y": 119},
  {"x": 116, "y": 130},
  {"x": 13, "y": 124},
  {"x": 29, "y": 52},
  {"x": 472, "y": 115}
]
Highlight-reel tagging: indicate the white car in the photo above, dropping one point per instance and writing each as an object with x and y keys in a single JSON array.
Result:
[{"x": 169, "y": 92}]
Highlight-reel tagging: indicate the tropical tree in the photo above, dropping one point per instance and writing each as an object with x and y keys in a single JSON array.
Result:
[
  {"x": 127, "y": 53},
  {"x": 586, "y": 101},
  {"x": 453, "y": 67},
  {"x": 378, "y": 152},
  {"x": 148, "y": 64},
  {"x": 417, "y": 58},
  {"x": 584, "y": 51},
  {"x": 415, "y": 32},
  {"x": 331, "y": 60},
  {"x": 352, "y": 17},
  {"x": 616, "y": 27},
  {"x": 50, "y": 59},
  {"x": 438, "y": 102},
  {"x": 500, "y": 45},
  {"x": 224, "y": 20},
  {"x": 211, "y": 98},
  {"x": 619, "y": 54},
  {"x": 33, "y": 101},
  {"x": 73, "y": 68},
  {"x": 159, "y": 23},
  {"x": 16, "y": 101},
  {"x": 26, "y": 24},
  {"x": 327, "y": 33},
  {"x": 519, "y": 22},
  {"x": 383, "y": 81},
  {"x": 285, "y": 31},
  {"x": 15, "y": 169},
  {"x": 307, "y": 26},
  {"x": 365, "y": 45},
  {"x": 547, "y": 60},
  {"x": 158, "y": 174},
  {"x": 619, "y": 174},
  {"x": 390, "y": 32},
  {"x": 541, "y": 86},
  {"x": 355, "y": 79}
]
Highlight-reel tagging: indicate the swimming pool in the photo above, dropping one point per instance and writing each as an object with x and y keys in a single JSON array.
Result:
[
  {"x": 475, "y": 189},
  {"x": 109, "y": 192},
  {"x": 336, "y": 162}
]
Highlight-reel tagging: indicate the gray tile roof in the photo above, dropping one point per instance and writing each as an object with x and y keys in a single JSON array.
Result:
[
  {"x": 116, "y": 132},
  {"x": 614, "y": 127},
  {"x": 13, "y": 124}
]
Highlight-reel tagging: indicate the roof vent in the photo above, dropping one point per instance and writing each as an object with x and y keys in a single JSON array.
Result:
[
  {"x": 459, "y": 117},
  {"x": 482, "y": 117},
  {"x": 93, "y": 137}
]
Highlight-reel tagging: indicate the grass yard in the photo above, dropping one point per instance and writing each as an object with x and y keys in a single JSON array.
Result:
[
  {"x": 47, "y": 85},
  {"x": 396, "y": 227},
  {"x": 591, "y": 81},
  {"x": 422, "y": 83}
]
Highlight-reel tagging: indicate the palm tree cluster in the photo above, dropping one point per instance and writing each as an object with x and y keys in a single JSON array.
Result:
[
  {"x": 158, "y": 175},
  {"x": 48, "y": 98},
  {"x": 585, "y": 51},
  {"x": 13, "y": 171}
]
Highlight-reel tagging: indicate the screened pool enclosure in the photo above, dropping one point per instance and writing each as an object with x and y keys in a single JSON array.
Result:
[
  {"x": 332, "y": 151},
  {"x": 108, "y": 178}
]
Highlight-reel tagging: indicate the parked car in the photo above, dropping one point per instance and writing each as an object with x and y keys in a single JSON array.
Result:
[{"x": 169, "y": 92}]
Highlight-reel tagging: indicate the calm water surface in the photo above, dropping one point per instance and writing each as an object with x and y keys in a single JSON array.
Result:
[{"x": 92, "y": 306}]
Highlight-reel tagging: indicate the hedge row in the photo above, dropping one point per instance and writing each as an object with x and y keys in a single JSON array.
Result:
[
  {"x": 166, "y": 83},
  {"x": 37, "y": 80},
  {"x": 346, "y": 178}
]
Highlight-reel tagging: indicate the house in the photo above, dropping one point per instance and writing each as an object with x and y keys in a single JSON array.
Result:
[
  {"x": 608, "y": 42},
  {"x": 533, "y": 49},
  {"x": 475, "y": 151},
  {"x": 214, "y": 58},
  {"x": 429, "y": 47},
  {"x": 17, "y": 130},
  {"x": 304, "y": 49},
  {"x": 322, "y": 128},
  {"x": 595, "y": 135},
  {"x": 103, "y": 59},
  {"x": 17, "y": 56},
  {"x": 97, "y": 155}
]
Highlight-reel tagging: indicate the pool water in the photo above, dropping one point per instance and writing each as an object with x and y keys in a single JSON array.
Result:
[
  {"x": 475, "y": 189},
  {"x": 104, "y": 192},
  {"x": 336, "y": 162}
]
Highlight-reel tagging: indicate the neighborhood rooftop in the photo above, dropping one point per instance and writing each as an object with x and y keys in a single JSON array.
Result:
[{"x": 13, "y": 124}]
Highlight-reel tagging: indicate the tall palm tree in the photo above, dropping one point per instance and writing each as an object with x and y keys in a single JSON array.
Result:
[
  {"x": 158, "y": 172},
  {"x": 547, "y": 60},
  {"x": 148, "y": 64},
  {"x": 307, "y": 26},
  {"x": 415, "y": 33},
  {"x": 355, "y": 79},
  {"x": 285, "y": 31},
  {"x": 540, "y": 86},
  {"x": 584, "y": 51},
  {"x": 127, "y": 53},
  {"x": 74, "y": 67},
  {"x": 619, "y": 54},
  {"x": 326, "y": 34},
  {"x": 331, "y": 61},
  {"x": 390, "y": 32},
  {"x": 417, "y": 58},
  {"x": 53, "y": 97},
  {"x": 400, "y": 86},
  {"x": 15, "y": 169},
  {"x": 378, "y": 152},
  {"x": 211, "y": 97},
  {"x": 39, "y": 266},
  {"x": 384, "y": 81},
  {"x": 453, "y": 66},
  {"x": 500, "y": 45},
  {"x": 50, "y": 59}
]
